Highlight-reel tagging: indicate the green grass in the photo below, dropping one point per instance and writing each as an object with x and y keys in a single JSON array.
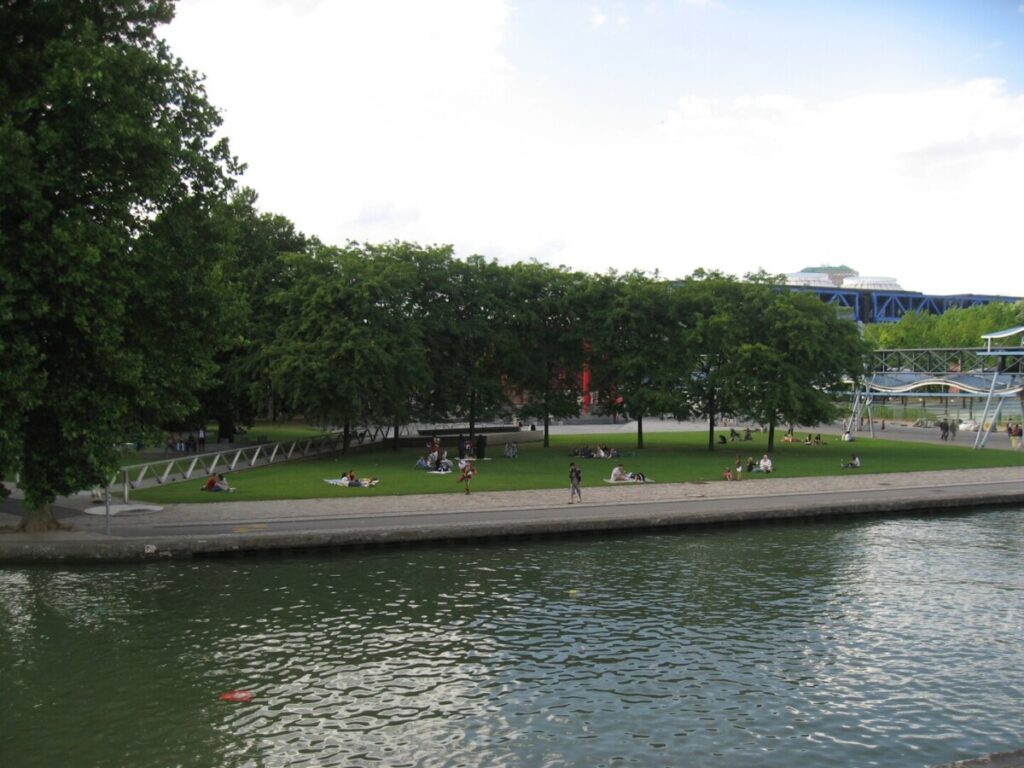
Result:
[
  {"x": 270, "y": 432},
  {"x": 669, "y": 457}
]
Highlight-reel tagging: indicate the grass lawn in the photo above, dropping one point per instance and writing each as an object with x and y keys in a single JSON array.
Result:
[
  {"x": 269, "y": 432},
  {"x": 670, "y": 457}
]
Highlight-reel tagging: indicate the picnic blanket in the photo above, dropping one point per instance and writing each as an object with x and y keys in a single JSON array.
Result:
[
  {"x": 627, "y": 482},
  {"x": 333, "y": 481}
]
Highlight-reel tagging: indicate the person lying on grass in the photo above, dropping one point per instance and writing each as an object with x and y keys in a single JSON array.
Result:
[{"x": 619, "y": 475}]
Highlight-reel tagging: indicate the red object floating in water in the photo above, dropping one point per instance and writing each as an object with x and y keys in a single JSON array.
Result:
[{"x": 236, "y": 696}]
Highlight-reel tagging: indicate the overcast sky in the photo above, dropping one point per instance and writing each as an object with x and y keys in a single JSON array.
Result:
[{"x": 662, "y": 134}]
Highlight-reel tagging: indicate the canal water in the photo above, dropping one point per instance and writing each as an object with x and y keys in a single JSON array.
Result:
[{"x": 871, "y": 642}]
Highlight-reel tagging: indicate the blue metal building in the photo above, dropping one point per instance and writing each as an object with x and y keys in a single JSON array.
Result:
[{"x": 888, "y": 306}]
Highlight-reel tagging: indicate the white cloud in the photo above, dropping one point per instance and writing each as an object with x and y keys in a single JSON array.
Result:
[
  {"x": 406, "y": 120},
  {"x": 919, "y": 186}
]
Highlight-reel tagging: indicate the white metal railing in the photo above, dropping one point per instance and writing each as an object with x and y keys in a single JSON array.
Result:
[{"x": 178, "y": 468}]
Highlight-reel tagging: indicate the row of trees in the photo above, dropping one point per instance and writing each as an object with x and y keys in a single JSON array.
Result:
[
  {"x": 955, "y": 328},
  {"x": 398, "y": 332},
  {"x": 141, "y": 289}
]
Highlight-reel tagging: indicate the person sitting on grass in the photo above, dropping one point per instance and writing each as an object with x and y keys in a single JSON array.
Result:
[
  {"x": 443, "y": 463},
  {"x": 217, "y": 483},
  {"x": 727, "y": 475},
  {"x": 765, "y": 465},
  {"x": 423, "y": 463},
  {"x": 853, "y": 463}
]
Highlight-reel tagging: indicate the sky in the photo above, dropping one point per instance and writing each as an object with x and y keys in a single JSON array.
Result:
[{"x": 658, "y": 135}]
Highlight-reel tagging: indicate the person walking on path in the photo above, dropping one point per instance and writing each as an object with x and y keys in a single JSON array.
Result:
[
  {"x": 575, "y": 478},
  {"x": 466, "y": 472}
]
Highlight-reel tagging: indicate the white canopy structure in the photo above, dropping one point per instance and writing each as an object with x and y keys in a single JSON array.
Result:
[{"x": 995, "y": 372}]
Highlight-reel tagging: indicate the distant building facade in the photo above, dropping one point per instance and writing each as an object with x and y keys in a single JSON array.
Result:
[{"x": 878, "y": 299}]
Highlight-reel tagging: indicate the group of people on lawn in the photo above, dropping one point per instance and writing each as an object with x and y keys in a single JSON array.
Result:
[
  {"x": 601, "y": 452},
  {"x": 735, "y": 472}
]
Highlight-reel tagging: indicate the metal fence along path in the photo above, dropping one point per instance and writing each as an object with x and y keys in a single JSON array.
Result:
[{"x": 192, "y": 466}]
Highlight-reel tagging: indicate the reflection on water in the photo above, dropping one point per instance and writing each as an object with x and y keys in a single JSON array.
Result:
[{"x": 889, "y": 642}]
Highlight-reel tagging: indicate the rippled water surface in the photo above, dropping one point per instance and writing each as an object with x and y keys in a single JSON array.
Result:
[{"x": 889, "y": 642}]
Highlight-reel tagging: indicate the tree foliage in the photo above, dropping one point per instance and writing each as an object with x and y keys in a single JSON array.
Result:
[
  {"x": 796, "y": 355},
  {"x": 640, "y": 353},
  {"x": 954, "y": 328},
  {"x": 254, "y": 271},
  {"x": 547, "y": 317},
  {"x": 347, "y": 350},
  {"x": 716, "y": 304},
  {"x": 110, "y": 167}
]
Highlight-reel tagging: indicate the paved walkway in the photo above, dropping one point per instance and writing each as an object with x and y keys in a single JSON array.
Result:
[{"x": 185, "y": 530}]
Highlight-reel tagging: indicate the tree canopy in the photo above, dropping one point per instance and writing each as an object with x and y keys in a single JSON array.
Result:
[
  {"x": 795, "y": 356},
  {"x": 954, "y": 328},
  {"x": 640, "y": 354},
  {"x": 110, "y": 167}
]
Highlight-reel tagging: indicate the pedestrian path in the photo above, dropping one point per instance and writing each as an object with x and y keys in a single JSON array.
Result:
[{"x": 189, "y": 529}]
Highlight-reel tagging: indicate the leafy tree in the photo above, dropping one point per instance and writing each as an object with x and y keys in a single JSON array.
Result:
[
  {"x": 639, "y": 349},
  {"x": 471, "y": 348},
  {"x": 715, "y": 307},
  {"x": 546, "y": 315},
  {"x": 430, "y": 304},
  {"x": 347, "y": 349},
  {"x": 105, "y": 138},
  {"x": 796, "y": 354},
  {"x": 254, "y": 272}
]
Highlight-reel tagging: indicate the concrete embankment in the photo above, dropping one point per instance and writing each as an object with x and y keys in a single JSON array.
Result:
[
  {"x": 351, "y": 520},
  {"x": 1013, "y": 759}
]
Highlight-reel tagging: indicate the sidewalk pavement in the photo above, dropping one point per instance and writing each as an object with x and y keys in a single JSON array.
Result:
[{"x": 187, "y": 530}]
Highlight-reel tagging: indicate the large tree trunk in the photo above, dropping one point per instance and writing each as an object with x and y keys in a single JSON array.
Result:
[
  {"x": 639, "y": 431},
  {"x": 547, "y": 421},
  {"x": 346, "y": 437},
  {"x": 39, "y": 520},
  {"x": 226, "y": 428},
  {"x": 710, "y": 411},
  {"x": 395, "y": 444},
  {"x": 771, "y": 435},
  {"x": 472, "y": 418}
]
